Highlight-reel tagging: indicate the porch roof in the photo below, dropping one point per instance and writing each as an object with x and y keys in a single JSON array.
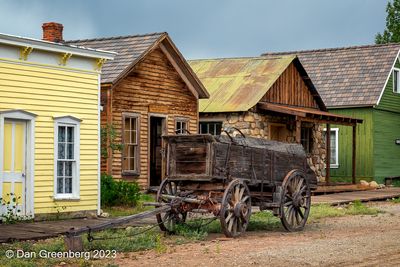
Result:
[{"x": 309, "y": 114}]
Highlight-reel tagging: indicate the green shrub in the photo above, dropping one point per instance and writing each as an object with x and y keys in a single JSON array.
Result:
[{"x": 118, "y": 193}]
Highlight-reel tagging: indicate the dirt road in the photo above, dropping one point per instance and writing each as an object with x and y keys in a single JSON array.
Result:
[{"x": 346, "y": 241}]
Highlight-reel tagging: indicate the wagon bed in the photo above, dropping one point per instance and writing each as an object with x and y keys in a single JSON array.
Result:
[{"x": 226, "y": 175}]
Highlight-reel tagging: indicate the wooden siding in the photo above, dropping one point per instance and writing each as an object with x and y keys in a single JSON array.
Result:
[
  {"x": 386, "y": 152},
  {"x": 154, "y": 82},
  {"x": 364, "y": 153},
  {"x": 390, "y": 101},
  {"x": 50, "y": 92},
  {"x": 290, "y": 89}
]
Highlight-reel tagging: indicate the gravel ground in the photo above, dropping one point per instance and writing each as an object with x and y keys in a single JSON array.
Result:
[{"x": 346, "y": 241}]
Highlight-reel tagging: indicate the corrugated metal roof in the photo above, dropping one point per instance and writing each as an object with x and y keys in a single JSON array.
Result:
[{"x": 237, "y": 84}]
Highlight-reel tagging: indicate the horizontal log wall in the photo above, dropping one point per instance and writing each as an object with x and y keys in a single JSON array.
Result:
[
  {"x": 290, "y": 89},
  {"x": 153, "y": 84}
]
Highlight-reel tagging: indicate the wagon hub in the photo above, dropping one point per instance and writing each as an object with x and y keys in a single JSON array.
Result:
[
  {"x": 298, "y": 200},
  {"x": 240, "y": 210}
]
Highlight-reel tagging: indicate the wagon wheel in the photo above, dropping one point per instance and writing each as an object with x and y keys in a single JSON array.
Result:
[
  {"x": 235, "y": 209},
  {"x": 168, "y": 220},
  {"x": 295, "y": 201}
]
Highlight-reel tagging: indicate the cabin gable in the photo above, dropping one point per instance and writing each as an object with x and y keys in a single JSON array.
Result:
[
  {"x": 290, "y": 89},
  {"x": 390, "y": 100}
]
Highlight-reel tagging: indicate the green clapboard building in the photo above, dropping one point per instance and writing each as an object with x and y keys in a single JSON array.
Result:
[{"x": 362, "y": 82}]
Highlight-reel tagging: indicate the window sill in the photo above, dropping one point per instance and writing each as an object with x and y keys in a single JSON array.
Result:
[
  {"x": 334, "y": 166},
  {"x": 61, "y": 198},
  {"x": 130, "y": 174}
]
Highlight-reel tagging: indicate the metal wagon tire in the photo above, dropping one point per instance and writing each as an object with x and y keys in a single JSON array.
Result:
[
  {"x": 235, "y": 209},
  {"x": 168, "y": 220},
  {"x": 295, "y": 201}
]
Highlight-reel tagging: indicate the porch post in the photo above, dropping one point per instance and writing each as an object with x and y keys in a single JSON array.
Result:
[
  {"x": 354, "y": 154},
  {"x": 328, "y": 154},
  {"x": 298, "y": 130}
]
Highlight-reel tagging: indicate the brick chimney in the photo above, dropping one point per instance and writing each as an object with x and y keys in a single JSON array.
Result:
[{"x": 52, "y": 32}]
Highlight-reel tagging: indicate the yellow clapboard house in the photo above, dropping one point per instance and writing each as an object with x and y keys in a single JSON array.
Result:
[{"x": 49, "y": 126}]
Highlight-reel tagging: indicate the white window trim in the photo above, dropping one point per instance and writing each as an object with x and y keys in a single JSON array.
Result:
[
  {"x": 336, "y": 130},
  {"x": 68, "y": 121},
  {"x": 398, "y": 80}
]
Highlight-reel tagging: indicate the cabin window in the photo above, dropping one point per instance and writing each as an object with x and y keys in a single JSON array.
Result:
[
  {"x": 334, "y": 162},
  {"x": 130, "y": 144},
  {"x": 210, "y": 127},
  {"x": 307, "y": 139},
  {"x": 181, "y": 126},
  {"x": 66, "y": 148},
  {"x": 396, "y": 81}
]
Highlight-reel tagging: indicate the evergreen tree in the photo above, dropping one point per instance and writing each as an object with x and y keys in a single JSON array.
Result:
[{"x": 392, "y": 32}]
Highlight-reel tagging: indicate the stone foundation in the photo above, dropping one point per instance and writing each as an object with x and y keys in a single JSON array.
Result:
[{"x": 258, "y": 125}]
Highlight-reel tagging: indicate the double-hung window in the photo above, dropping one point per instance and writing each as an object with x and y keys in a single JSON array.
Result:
[
  {"x": 396, "y": 80},
  {"x": 130, "y": 161},
  {"x": 334, "y": 145},
  {"x": 66, "y": 147}
]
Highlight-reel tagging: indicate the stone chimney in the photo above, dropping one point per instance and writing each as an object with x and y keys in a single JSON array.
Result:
[{"x": 52, "y": 32}]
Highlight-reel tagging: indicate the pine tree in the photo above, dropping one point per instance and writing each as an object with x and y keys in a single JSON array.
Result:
[{"x": 392, "y": 32}]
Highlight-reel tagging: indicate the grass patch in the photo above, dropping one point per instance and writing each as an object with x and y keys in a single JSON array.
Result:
[
  {"x": 355, "y": 208},
  {"x": 118, "y": 211},
  {"x": 395, "y": 200}
]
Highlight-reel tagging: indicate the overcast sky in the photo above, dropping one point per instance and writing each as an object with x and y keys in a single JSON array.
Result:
[{"x": 207, "y": 28}]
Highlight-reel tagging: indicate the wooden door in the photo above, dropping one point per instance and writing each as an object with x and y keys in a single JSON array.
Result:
[
  {"x": 278, "y": 132},
  {"x": 14, "y": 166},
  {"x": 156, "y": 130}
]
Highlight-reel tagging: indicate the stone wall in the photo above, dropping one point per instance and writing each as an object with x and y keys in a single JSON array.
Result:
[{"x": 258, "y": 125}]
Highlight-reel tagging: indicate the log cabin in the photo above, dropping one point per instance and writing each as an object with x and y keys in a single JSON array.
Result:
[
  {"x": 147, "y": 91},
  {"x": 272, "y": 98}
]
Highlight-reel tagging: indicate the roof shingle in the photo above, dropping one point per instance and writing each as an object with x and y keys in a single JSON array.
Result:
[
  {"x": 349, "y": 76},
  {"x": 129, "y": 49}
]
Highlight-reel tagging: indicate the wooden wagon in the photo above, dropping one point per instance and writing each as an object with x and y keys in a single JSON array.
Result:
[{"x": 227, "y": 175}]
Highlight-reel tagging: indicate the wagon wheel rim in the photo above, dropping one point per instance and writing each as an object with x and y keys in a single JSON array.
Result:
[
  {"x": 235, "y": 209},
  {"x": 295, "y": 201},
  {"x": 167, "y": 220}
]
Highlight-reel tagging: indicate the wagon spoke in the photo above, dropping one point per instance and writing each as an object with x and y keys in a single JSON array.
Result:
[
  {"x": 299, "y": 185},
  {"x": 301, "y": 213},
  {"x": 234, "y": 228},
  {"x": 245, "y": 198},
  {"x": 229, "y": 217},
  {"x": 237, "y": 194},
  {"x": 296, "y": 213},
  {"x": 230, "y": 224},
  {"x": 241, "y": 193},
  {"x": 288, "y": 203}
]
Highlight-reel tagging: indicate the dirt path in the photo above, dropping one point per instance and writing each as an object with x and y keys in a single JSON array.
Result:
[{"x": 345, "y": 241}]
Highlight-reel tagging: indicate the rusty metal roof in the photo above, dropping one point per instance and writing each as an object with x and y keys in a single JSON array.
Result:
[{"x": 237, "y": 84}]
